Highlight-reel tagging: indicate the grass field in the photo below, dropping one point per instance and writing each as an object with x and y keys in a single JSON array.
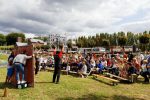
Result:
[
  {"x": 73, "y": 88},
  {"x": 3, "y": 57}
]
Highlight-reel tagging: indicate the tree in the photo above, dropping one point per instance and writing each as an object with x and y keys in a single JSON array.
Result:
[
  {"x": 2, "y": 39},
  {"x": 91, "y": 42},
  {"x": 45, "y": 47},
  {"x": 11, "y": 38},
  {"x": 131, "y": 39},
  {"x": 45, "y": 39},
  {"x": 144, "y": 40},
  {"x": 69, "y": 43},
  {"x": 106, "y": 43},
  {"x": 122, "y": 40},
  {"x": 121, "y": 34}
]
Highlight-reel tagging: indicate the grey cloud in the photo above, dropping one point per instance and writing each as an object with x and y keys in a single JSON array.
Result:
[{"x": 60, "y": 16}]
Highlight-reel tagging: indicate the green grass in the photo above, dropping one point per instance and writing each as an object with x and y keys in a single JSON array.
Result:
[
  {"x": 3, "y": 57},
  {"x": 73, "y": 88}
]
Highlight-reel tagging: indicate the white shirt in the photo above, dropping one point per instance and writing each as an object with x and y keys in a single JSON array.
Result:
[
  {"x": 41, "y": 60},
  {"x": 68, "y": 68},
  {"x": 93, "y": 63},
  {"x": 104, "y": 63},
  {"x": 142, "y": 56},
  {"x": 144, "y": 67},
  {"x": 84, "y": 69},
  {"x": 21, "y": 58}
]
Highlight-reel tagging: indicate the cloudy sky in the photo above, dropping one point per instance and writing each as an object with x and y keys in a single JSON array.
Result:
[{"x": 75, "y": 17}]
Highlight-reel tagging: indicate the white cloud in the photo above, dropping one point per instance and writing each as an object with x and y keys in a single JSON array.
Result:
[{"x": 74, "y": 16}]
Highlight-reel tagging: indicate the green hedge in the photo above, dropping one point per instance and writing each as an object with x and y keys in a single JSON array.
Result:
[{"x": 6, "y": 47}]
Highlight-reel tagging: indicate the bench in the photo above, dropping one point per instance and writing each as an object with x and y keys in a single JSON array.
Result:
[
  {"x": 118, "y": 77},
  {"x": 133, "y": 78},
  {"x": 64, "y": 72},
  {"x": 73, "y": 73},
  {"x": 113, "y": 81}
]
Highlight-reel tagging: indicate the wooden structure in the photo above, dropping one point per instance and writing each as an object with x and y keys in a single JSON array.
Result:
[
  {"x": 113, "y": 81},
  {"x": 29, "y": 67},
  {"x": 117, "y": 77}
]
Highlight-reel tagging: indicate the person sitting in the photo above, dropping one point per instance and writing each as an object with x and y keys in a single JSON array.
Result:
[
  {"x": 64, "y": 64},
  {"x": 104, "y": 63},
  {"x": 83, "y": 71},
  {"x": 92, "y": 65},
  {"x": 68, "y": 68},
  {"x": 41, "y": 62},
  {"x": 114, "y": 68},
  {"x": 99, "y": 67},
  {"x": 131, "y": 69},
  {"x": 136, "y": 65},
  {"x": 144, "y": 72},
  {"x": 124, "y": 71}
]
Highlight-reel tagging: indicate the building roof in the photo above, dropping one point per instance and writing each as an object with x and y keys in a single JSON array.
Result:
[
  {"x": 21, "y": 44},
  {"x": 36, "y": 40}
]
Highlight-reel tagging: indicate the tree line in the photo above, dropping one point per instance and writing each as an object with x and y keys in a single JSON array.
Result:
[
  {"x": 11, "y": 38},
  {"x": 7, "y": 41},
  {"x": 141, "y": 40}
]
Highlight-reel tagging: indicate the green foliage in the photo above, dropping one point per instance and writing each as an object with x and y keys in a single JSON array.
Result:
[
  {"x": 122, "y": 40},
  {"x": 144, "y": 39},
  {"x": 2, "y": 39},
  {"x": 45, "y": 39},
  {"x": 115, "y": 39},
  {"x": 11, "y": 38},
  {"x": 131, "y": 38},
  {"x": 37, "y": 47},
  {"x": 10, "y": 47},
  {"x": 69, "y": 43},
  {"x": 105, "y": 43},
  {"x": 120, "y": 34},
  {"x": 3, "y": 57},
  {"x": 45, "y": 47}
]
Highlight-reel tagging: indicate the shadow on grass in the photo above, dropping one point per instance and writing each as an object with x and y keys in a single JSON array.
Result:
[
  {"x": 100, "y": 97},
  {"x": 3, "y": 86},
  {"x": 42, "y": 82},
  {"x": 10, "y": 86},
  {"x": 85, "y": 97},
  {"x": 122, "y": 97}
]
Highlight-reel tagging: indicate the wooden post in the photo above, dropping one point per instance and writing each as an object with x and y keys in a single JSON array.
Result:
[{"x": 5, "y": 93}]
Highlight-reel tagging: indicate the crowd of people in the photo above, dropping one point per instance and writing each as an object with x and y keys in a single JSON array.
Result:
[{"x": 120, "y": 64}]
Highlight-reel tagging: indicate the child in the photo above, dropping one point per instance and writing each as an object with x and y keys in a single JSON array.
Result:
[
  {"x": 10, "y": 68},
  {"x": 83, "y": 71},
  {"x": 68, "y": 68}
]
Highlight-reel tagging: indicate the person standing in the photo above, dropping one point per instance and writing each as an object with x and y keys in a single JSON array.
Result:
[
  {"x": 36, "y": 64},
  {"x": 10, "y": 68},
  {"x": 57, "y": 64},
  {"x": 19, "y": 63}
]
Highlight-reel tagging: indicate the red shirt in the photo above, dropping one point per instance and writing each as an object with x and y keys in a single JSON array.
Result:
[{"x": 60, "y": 54}]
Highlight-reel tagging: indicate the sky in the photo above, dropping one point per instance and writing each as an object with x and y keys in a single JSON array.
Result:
[{"x": 74, "y": 18}]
